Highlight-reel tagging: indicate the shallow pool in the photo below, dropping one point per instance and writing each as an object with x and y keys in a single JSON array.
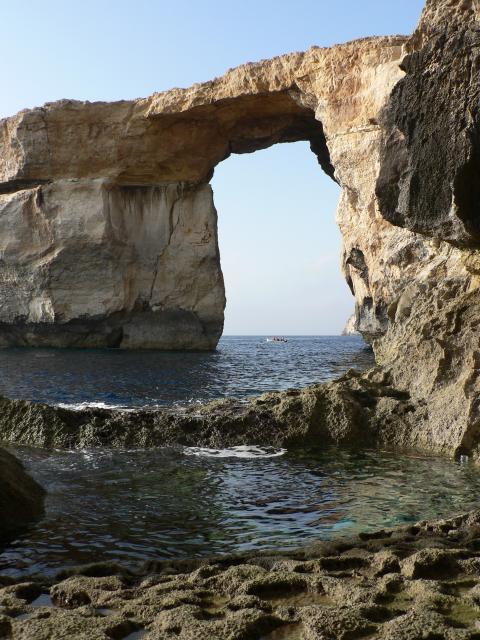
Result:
[{"x": 137, "y": 505}]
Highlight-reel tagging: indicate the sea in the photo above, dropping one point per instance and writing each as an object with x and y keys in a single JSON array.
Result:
[{"x": 132, "y": 506}]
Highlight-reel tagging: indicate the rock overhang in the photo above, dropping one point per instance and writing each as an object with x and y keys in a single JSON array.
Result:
[
  {"x": 112, "y": 170},
  {"x": 180, "y": 135}
]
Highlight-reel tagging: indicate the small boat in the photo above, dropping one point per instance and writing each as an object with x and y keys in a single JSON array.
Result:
[{"x": 277, "y": 339}]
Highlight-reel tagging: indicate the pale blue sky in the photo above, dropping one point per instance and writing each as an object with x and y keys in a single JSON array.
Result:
[{"x": 279, "y": 243}]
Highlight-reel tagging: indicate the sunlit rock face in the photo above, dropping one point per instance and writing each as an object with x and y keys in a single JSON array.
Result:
[
  {"x": 108, "y": 230},
  {"x": 90, "y": 263},
  {"x": 429, "y": 183}
]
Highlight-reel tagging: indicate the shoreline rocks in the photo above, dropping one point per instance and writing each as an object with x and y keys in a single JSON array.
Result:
[
  {"x": 411, "y": 583},
  {"x": 358, "y": 409},
  {"x": 21, "y": 498},
  {"x": 354, "y": 410}
]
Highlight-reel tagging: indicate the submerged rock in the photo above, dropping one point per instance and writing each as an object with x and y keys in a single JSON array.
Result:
[{"x": 21, "y": 498}]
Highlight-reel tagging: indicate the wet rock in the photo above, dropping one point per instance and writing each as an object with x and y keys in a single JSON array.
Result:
[
  {"x": 79, "y": 591},
  {"x": 5, "y": 626},
  {"x": 21, "y": 498},
  {"x": 344, "y": 411},
  {"x": 267, "y": 595},
  {"x": 431, "y": 564}
]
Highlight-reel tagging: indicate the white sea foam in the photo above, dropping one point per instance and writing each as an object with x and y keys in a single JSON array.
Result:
[
  {"x": 78, "y": 406},
  {"x": 243, "y": 451}
]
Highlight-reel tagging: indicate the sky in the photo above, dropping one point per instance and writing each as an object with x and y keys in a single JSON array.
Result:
[{"x": 280, "y": 247}]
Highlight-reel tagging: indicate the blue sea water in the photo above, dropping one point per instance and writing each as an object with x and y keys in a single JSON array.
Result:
[
  {"x": 133, "y": 506},
  {"x": 240, "y": 367},
  {"x": 174, "y": 502}
]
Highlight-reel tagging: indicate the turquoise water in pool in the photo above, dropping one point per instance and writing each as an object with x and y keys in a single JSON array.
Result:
[{"x": 132, "y": 506}]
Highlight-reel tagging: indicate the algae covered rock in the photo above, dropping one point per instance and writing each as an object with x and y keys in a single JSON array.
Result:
[{"x": 347, "y": 411}]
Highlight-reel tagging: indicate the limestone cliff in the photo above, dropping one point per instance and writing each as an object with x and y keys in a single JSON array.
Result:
[
  {"x": 108, "y": 229},
  {"x": 428, "y": 183},
  {"x": 90, "y": 263}
]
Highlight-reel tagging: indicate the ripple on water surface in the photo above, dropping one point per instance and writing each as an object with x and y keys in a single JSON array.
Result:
[
  {"x": 136, "y": 505},
  {"x": 241, "y": 367}
]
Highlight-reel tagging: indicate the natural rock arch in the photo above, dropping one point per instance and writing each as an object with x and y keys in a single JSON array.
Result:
[{"x": 115, "y": 240}]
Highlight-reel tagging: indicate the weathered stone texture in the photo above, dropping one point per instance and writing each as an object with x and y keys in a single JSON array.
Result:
[
  {"x": 351, "y": 410},
  {"x": 429, "y": 183},
  {"x": 90, "y": 263},
  {"x": 417, "y": 582},
  {"x": 430, "y": 161},
  {"x": 108, "y": 227}
]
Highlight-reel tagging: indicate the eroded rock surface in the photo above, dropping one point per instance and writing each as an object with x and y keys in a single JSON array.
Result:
[
  {"x": 430, "y": 161},
  {"x": 428, "y": 184},
  {"x": 21, "y": 498},
  {"x": 401, "y": 136},
  {"x": 353, "y": 410},
  {"x": 115, "y": 243},
  {"x": 417, "y": 583}
]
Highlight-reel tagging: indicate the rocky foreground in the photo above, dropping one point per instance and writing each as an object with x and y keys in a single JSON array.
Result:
[{"x": 417, "y": 583}]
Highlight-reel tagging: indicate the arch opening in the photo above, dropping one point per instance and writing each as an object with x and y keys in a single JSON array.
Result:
[{"x": 280, "y": 246}]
